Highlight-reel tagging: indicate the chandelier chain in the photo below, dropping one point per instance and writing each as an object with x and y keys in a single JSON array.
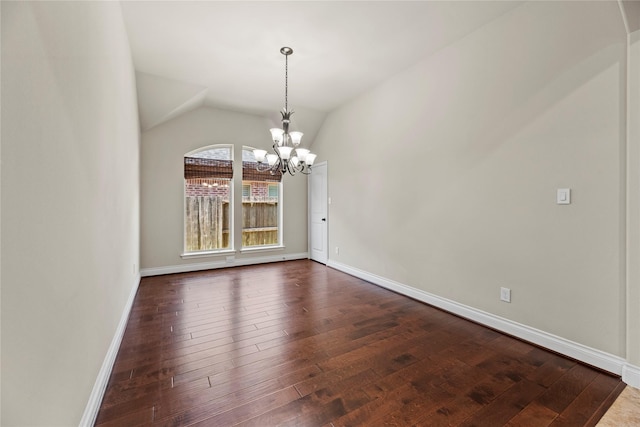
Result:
[{"x": 286, "y": 83}]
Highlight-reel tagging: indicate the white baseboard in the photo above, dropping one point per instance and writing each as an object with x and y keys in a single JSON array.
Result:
[
  {"x": 631, "y": 375},
  {"x": 185, "y": 268},
  {"x": 95, "y": 399},
  {"x": 600, "y": 359}
]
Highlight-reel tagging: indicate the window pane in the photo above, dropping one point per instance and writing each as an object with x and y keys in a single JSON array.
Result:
[
  {"x": 208, "y": 188},
  {"x": 218, "y": 153},
  {"x": 260, "y": 205}
]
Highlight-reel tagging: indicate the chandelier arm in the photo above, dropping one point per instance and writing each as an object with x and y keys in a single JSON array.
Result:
[
  {"x": 297, "y": 168},
  {"x": 287, "y": 167},
  {"x": 275, "y": 168},
  {"x": 302, "y": 168},
  {"x": 262, "y": 170}
]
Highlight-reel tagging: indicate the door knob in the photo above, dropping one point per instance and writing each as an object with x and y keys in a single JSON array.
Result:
[{"x": 324, "y": 219}]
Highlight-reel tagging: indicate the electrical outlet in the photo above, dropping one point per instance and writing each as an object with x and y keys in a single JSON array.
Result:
[
  {"x": 505, "y": 294},
  {"x": 337, "y": 250}
]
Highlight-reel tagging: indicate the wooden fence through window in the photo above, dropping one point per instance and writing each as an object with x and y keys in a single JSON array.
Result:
[
  {"x": 259, "y": 223},
  {"x": 207, "y": 223}
]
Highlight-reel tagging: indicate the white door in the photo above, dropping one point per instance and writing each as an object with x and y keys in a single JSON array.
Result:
[{"x": 318, "y": 213}]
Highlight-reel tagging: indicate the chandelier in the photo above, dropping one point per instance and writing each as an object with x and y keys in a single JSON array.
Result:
[{"x": 288, "y": 157}]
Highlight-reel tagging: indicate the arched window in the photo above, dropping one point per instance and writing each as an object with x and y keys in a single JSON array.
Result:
[
  {"x": 208, "y": 188},
  {"x": 261, "y": 204}
]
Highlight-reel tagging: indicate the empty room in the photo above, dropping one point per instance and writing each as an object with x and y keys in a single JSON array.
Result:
[{"x": 320, "y": 213}]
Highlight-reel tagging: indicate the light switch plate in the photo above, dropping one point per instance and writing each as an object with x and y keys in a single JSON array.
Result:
[{"x": 563, "y": 196}]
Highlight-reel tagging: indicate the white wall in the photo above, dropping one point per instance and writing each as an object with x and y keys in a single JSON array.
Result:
[
  {"x": 70, "y": 202},
  {"x": 444, "y": 177},
  {"x": 633, "y": 200},
  {"x": 162, "y": 194}
]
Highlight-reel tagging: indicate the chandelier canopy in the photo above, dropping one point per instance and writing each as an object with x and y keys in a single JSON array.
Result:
[{"x": 288, "y": 156}]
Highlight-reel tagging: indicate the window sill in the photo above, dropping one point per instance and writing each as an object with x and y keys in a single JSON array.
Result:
[
  {"x": 263, "y": 248},
  {"x": 206, "y": 254}
]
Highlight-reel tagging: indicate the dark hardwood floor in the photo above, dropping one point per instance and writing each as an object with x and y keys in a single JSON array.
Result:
[{"x": 297, "y": 343}]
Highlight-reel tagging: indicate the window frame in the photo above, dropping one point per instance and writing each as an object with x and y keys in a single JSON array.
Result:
[
  {"x": 277, "y": 187},
  {"x": 249, "y": 190},
  {"x": 208, "y": 252},
  {"x": 280, "y": 204}
]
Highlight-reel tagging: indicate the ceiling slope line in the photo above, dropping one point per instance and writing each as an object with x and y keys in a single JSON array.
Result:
[
  {"x": 630, "y": 11},
  {"x": 198, "y": 100}
]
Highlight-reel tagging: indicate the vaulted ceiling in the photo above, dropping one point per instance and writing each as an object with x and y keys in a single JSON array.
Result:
[{"x": 227, "y": 54}]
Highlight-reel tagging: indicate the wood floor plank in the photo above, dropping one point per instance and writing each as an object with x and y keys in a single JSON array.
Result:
[
  {"x": 247, "y": 411},
  {"x": 534, "y": 415},
  {"x": 139, "y": 416},
  {"x": 506, "y": 406},
  {"x": 580, "y": 411},
  {"x": 326, "y": 403},
  {"x": 297, "y": 343},
  {"x": 450, "y": 413},
  {"x": 565, "y": 390},
  {"x": 211, "y": 402}
]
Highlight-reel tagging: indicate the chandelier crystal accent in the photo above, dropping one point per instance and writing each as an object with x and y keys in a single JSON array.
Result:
[{"x": 289, "y": 156}]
